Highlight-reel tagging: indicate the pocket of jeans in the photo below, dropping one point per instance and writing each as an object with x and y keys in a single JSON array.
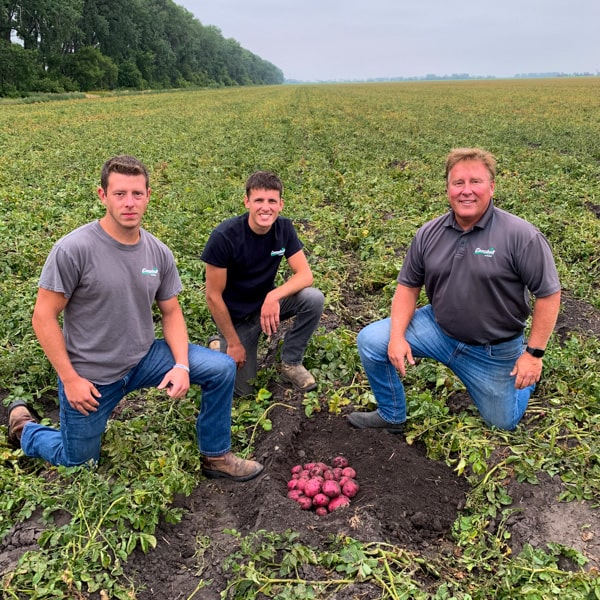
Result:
[{"x": 507, "y": 350}]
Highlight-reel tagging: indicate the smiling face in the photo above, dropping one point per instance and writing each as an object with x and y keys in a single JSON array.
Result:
[
  {"x": 263, "y": 207},
  {"x": 126, "y": 199},
  {"x": 470, "y": 189}
]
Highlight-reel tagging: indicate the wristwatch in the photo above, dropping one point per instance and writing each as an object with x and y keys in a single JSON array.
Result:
[{"x": 537, "y": 352}]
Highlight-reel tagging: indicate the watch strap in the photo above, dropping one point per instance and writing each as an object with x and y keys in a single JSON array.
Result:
[{"x": 537, "y": 352}]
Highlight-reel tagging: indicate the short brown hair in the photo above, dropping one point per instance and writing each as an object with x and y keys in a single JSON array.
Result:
[
  {"x": 263, "y": 180},
  {"x": 124, "y": 164},
  {"x": 462, "y": 154}
]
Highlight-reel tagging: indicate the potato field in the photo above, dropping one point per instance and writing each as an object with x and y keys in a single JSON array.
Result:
[{"x": 451, "y": 509}]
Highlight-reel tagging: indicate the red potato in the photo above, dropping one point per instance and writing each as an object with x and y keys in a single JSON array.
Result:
[
  {"x": 343, "y": 480},
  {"x": 340, "y": 461},
  {"x": 296, "y": 469},
  {"x": 349, "y": 472},
  {"x": 292, "y": 484},
  {"x": 316, "y": 472},
  {"x": 294, "y": 494},
  {"x": 338, "y": 502},
  {"x": 301, "y": 483},
  {"x": 328, "y": 474},
  {"x": 331, "y": 488},
  {"x": 321, "y": 511},
  {"x": 305, "y": 502},
  {"x": 337, "y": 473},
  {"x": 312, "y": 487},
  {"x": 309, "y": 466},
  {"x": 320, "y": 500},
  {"x": 350, "y": 488}
]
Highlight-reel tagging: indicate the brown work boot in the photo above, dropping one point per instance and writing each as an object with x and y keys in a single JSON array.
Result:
[
  {"x": 19, "y": 414},
  {"x": 230, "y": 466},
  {"x": 298, "y": 376}
]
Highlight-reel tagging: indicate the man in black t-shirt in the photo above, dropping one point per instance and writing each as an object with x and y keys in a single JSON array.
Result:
[{"x": 242, "y": 259}]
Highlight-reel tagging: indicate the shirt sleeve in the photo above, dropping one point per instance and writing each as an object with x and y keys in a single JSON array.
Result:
[
  {"x": 216, "y": 252},
  {"x": 60, "y": 273},
  {"x": 537, "y": 267},
  {"x": 412, "y": 273}
]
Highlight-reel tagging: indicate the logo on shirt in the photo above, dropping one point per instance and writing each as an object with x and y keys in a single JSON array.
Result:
[
  {"x": 153, "y": 272},
  {"x": 488, "y": 253},
  {"x": 278, "y": 252}
]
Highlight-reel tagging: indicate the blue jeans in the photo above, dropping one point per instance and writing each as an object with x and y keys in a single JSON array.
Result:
[
  {"x": 306, "y": 306},
  {"x": 484, "y": 370},
  {"x": 79, "y": 437}
]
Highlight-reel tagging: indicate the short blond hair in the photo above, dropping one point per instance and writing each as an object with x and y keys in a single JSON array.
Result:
[{"x": 457, "y": 155}]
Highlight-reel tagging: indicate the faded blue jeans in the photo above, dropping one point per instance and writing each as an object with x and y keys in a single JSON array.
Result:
[
  {"x": 79, "y": 437},
  {"x": 306, "y": 306},
  {"x": 484, "y": 370}
]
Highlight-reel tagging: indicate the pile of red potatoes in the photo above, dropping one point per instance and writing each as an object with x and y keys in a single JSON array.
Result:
[{"x": 321, "y": 487}]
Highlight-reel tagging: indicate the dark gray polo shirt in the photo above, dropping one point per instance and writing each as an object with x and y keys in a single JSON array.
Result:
[{"x": 479, "y": 281}]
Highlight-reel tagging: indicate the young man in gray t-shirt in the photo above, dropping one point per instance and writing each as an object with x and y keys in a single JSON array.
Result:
[{"x": 105, "y": 277}]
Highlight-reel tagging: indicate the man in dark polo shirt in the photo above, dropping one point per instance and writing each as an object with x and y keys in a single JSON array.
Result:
[
  {"x": 242, "y": 257},
  {"x": 479, "y": 265}
]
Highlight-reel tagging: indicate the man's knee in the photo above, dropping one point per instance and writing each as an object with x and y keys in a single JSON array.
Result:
[
  {"x": 373, "y": 339},
  {"x": 313, "y": 298}
]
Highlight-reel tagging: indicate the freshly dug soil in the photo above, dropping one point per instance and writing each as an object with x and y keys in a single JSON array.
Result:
[{"x": 405, "y": 499}]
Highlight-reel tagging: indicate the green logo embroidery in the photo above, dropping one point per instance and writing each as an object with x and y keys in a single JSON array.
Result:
[
  {"x": 153, "y": 272},
  {"x": 488, "y": 253},
  {"x": 278, "y": 252}
]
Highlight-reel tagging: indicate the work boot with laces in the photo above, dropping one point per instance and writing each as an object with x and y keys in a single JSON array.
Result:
[
  {"x": 231, "y": 467},
  {"x": 298, "y": 376}
]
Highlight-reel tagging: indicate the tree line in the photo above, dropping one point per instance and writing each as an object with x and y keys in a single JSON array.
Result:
[{"x": 83, "y": 45}]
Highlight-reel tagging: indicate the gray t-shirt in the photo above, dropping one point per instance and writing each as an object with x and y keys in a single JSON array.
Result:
[
  {"x": 478, "y": 281},
  {"x": 108, "y": 322}
]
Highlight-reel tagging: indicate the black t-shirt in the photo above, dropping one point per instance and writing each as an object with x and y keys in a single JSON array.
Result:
[{"x": 251, "y": 260}]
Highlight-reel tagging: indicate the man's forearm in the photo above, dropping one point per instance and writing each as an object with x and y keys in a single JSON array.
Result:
[
  {"x": 52, "y": 341},
  {"x": 176, "y": 336},
  {"x": 293, "y": 285},
  {"x": 220, "y": 314},
  {"x": 404, "y": 304},
  {"x": 543, "y": 320}
]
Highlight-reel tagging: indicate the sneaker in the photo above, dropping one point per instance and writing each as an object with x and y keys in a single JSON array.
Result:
[
  {"x": 365, "y": 420},
  {"x": 298, "y": 376},
  {"x": 214, "y": 343},
  {"x": 231, "y": 467},
  {"x": 19, "y": 414}
]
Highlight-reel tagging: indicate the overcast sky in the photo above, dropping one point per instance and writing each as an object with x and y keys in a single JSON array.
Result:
[{"x": 315, "y": 40}]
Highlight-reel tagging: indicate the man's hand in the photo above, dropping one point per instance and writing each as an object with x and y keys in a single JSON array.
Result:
[
  {"x": 81, "y": 395},
  {"x": 269, "y": 316},
  {"x": 527, "y": 370},
  {"x": 400, "y": 352},
  {"x": 238, "y": 353},
  {"x": 176, "y": 382}
]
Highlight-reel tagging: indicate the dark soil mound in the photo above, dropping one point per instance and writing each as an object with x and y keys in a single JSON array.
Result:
[{"x": 405, "y": 499}]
